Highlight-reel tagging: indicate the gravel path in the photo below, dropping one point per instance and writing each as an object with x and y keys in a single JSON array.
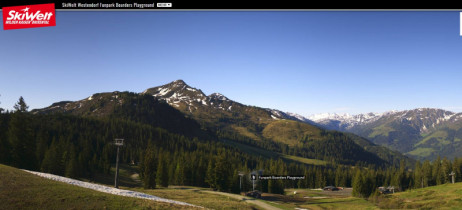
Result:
[{"x": 246, "y": 199}]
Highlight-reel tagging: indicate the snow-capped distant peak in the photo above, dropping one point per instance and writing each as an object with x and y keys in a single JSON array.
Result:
[
  {"x": 346, "y": 120},
  {"x": 297, "y": 116},
  {"x": 328, "y": 116},
  {"x": 425, "y": 118}
]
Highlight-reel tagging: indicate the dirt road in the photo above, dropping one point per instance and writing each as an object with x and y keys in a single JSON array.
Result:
[{"x": 246, "y": 199}]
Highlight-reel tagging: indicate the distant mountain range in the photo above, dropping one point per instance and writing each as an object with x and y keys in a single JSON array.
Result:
[
  {"x": 422, "y": 133},
  {"x": 224, "y": 118}
]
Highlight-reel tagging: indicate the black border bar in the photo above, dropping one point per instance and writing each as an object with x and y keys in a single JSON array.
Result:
[{"x": 234, "y": 5}]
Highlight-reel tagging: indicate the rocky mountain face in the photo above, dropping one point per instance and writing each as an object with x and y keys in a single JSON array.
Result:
[
  {"x": 193, "y": 101},
  {"x": 423, "y": 133}
]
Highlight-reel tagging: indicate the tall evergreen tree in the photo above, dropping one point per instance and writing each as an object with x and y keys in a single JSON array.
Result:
[
  {"x": 358, "y": 184},
  {"x": 21, "y": 105},
  {"x": 369, "y": 183},
  {"x": 162, "y": 172},
  {"x": 276, "y": 186},
  {"x": 5, "y": 150},
  {"x": 403, "y": 181},
  {"x": 150, "y": 166},
  {"x": 52, "y": 161},
  {"x": 340, "y": 177},
  {"x": 1, "y": 109},
  {"x": 179, "y": 173},
  {"x": 20, "y": 138},
  {"x": 446, "y": 169},
  {"x": 418, "y": 176},
  {"x": 234, "y": 188},
  {"x": 456, "y": 167},
  {"x": 72, "y": 169},
  {"x": 437, "y": 172},
  {"x": 210, "y": 174},
  {"x": 427, "y": 173},
  {"x": 222, "y": 172}
]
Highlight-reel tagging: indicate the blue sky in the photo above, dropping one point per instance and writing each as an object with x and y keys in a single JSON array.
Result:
[{"x": 302, "y": 62}]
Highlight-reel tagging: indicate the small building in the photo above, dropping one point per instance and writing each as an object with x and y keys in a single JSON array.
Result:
[
  {"x": 255, "y": 194},
  {"x": 387, "y": 190},
  {"x": 330, "y": 188}
]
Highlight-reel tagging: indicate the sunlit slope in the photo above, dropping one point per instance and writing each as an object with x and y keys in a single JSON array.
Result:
[
  {"x": 22, "y": 190},
  {"x": 447, "y": 196},
  {"x": 291, "y": 132}
]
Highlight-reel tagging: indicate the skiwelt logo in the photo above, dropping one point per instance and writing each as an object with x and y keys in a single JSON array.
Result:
[{"x": 29, "y": 16}]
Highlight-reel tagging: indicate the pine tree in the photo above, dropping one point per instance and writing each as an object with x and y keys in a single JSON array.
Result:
[
  {"x": 427, "y": 173},
  {"x": 396, "y": 180},
  {"x": 162, "y": 172},
  {"x": 358, "y": 184},
  {"x": 5, "y": 148},
  {"x": 150, "y": 166},
  {"x": 418, "y": 176},
  {"x": 1, "y": 109},
  {"x": 21, "y": 105},
  {"x": 222, "y": 173},
  {"x": 280, "y": 170},
  {"x": 52, "y": 160},
  {"x": 456, "y": 167},
  {"x": 369, "y": 183},
  {"x": 276, "y": 186},
  {"x": 210, "y": 175},
  {"x": 179, "y": 173},
  {"x": 446, "y": 169},
  {"x": 320, "y": 183},
  {"x": 437, "y": 172},
  {"x": 235, "y": 182},
  {"x": 340, "y": 177},
  {"x": 20, "y": 138},
  {"x": 72, "y": 169},
  {"x": 402, "y": 176}
]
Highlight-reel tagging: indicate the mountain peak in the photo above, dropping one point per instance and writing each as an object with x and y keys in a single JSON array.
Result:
[
  {"x": 218, "y": 96},
  {"x": 178, "y": 82},
  {"x": 177, "y": 92}
]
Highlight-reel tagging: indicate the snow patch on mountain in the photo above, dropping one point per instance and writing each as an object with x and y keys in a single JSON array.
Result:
[
  {"x": 218, "y": 96},
  {"x": 162, "y": 92}
]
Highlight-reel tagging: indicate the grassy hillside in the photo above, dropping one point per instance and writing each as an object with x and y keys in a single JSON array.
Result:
[
  {"x": 291, "y": 132},
  {"x": 447, "y": 196},
  {"x": 446, "y": 141},
  {"x": 270, "y": 154},
  {"x": 393, "y": 157},
  {"x": 22, "y": 190}
]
